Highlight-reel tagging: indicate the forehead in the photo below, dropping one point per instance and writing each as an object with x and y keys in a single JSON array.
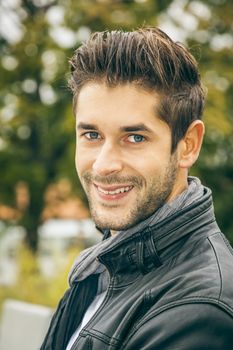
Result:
[{"x": 127, "y": 102}]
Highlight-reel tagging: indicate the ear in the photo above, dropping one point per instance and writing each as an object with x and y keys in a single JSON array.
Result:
[{"x": 190, "y": 145}]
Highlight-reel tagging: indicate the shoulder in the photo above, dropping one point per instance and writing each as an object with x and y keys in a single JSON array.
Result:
[
  {"x": 204, "y": 272},
  {"x": 201, "y": 272},
  {"x": 222, "y": 268},
  {"x": 186, "y": 326}
]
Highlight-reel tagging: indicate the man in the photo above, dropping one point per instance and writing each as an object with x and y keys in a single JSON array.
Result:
[{"x": 162, "y": 276}]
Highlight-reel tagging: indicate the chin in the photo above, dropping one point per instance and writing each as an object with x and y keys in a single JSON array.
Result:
[
  {"x": 113, "y": 224},
  {"x": 103, "y": 225}
]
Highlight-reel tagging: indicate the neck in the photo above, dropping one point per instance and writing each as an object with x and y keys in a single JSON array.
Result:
[{"x": 113, "y": 233}]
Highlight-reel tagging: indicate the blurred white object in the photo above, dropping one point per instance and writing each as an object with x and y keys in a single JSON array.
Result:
[
  {"x": 57, "y": 236},
  {"x": 68, "y": 229},
  {"x": 23, "y": 325},
  {"x": 10, "y": 240}
]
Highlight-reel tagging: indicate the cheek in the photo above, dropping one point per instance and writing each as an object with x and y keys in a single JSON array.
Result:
[
  {"x": 78, "y": 161},
  {"x": 150, "y": 159},
  {"x": 76, "y": 156},
  {"x": 153, "y": 164},
  {"x": 83, "y": 159}
]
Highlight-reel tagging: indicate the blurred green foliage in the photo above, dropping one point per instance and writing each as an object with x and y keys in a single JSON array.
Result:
[
  {"x": 37, "y": 133},
  {"x": 31, "y": 286}
]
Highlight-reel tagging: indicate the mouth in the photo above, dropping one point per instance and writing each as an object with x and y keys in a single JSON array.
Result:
[{"x": 113, "y": 192}]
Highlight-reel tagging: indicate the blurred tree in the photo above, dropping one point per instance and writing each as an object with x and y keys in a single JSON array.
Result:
[
  {"x": 36, "y": 125},
  {"x": 215, "y": 166},
  {"x": 35, "y": 130}
]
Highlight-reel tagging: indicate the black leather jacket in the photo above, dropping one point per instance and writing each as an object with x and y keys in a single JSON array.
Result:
[{"x": 171, "y": 288}]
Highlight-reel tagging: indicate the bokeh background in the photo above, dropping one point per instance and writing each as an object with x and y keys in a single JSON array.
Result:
[{"x": 44, "y": 219}]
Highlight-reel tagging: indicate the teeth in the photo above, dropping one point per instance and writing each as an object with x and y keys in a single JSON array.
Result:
[{"x": 117, "y": 191}]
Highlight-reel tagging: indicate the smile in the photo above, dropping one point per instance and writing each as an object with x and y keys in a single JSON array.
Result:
[
  {"x": 117, "y": 191},
  {"x": 113, "y": 192}
]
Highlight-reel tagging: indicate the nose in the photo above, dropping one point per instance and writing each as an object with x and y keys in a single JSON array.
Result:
[{"x": 108, "y": 161}]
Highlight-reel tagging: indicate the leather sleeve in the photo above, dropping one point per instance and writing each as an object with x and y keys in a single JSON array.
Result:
[{"x": 197, "y": 326}]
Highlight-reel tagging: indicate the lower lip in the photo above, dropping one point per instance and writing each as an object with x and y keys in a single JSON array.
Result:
[{"x": 112, "y": 197}]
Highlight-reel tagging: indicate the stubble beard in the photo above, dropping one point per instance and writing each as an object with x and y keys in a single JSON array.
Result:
[{"x": 158, "y": 189}]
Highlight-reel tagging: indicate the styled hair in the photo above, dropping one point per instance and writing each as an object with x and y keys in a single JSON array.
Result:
[{"x": 150, "y": 59}]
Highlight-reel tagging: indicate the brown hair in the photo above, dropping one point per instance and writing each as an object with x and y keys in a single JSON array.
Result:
[{"x": 149, "y": 58}]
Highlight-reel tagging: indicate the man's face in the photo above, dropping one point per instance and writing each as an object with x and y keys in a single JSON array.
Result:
[{"x": 123, "y": 155}]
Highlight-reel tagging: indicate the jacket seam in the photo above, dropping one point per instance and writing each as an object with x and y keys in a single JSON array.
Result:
[
  {"x": 101, "y": 336},
  {"x": 219, "y": 269},
  {"x": 189, "y": 301},
  {"x": 89, "y": 343},
  {"x": 186, "y": 301}
]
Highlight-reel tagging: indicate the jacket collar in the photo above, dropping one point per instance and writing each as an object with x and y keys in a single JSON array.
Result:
[
  {"x": 150, "y": 247},
  {"x": 145, "y": 241}
]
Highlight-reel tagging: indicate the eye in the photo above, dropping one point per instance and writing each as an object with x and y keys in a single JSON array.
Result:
[
  {"x": 136, "y": 138},
  {"x": 92, "y": 135}
]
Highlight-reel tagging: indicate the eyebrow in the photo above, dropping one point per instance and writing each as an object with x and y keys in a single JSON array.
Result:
[
  {"x": 135, "y": 127},
  {"x": 126, "y": 128},
  {"x": 84, "y": 126}
]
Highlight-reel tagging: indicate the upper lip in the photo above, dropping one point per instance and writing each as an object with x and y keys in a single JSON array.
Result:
[{"x": 112, "y": 187}]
